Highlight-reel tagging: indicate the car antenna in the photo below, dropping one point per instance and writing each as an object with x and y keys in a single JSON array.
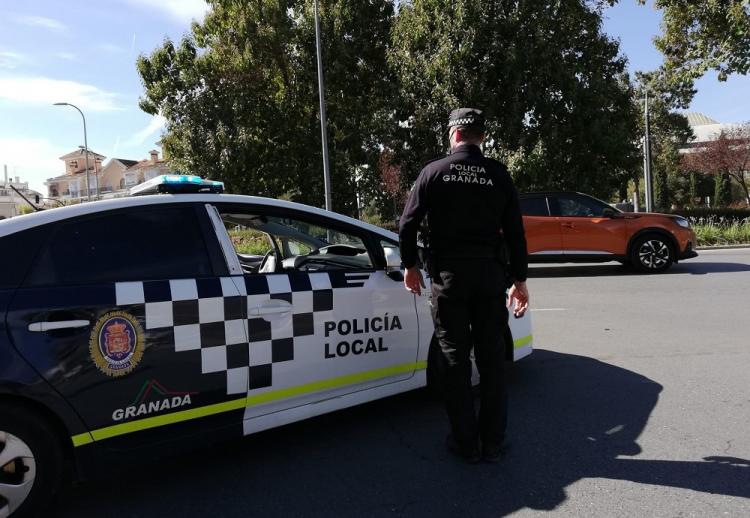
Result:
[{"x": 36, "y": 209}]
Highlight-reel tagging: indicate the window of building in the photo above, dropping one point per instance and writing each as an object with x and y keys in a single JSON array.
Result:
[{"x": 144, "y": 244}]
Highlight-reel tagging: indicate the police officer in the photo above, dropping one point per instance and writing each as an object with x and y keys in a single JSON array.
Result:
[{"x": 472, "y": 211}]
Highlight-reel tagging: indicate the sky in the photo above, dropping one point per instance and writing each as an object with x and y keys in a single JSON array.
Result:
[{"x": 83, "y": 52}]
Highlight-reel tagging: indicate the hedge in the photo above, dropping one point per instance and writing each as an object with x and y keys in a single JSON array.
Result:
[{"x": 718, "y": 214}]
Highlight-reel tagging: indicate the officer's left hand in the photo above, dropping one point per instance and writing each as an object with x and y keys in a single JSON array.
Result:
[
  {"x": 518, "y": 297},
  {"x": 413, "y": 280}
]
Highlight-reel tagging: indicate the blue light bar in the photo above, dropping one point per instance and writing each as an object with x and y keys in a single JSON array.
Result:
[{"x": 177, "y": 184}]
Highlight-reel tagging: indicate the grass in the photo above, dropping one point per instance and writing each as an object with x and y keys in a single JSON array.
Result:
[
  {"x": 717, "y": 231},
  {"x": 249, "y": 242}
]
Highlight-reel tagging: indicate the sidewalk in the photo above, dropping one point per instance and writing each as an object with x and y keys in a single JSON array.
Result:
[{"x": 722, "y": 247}]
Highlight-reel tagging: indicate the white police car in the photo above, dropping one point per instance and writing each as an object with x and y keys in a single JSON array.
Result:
[{"x": 141, "y": 323}]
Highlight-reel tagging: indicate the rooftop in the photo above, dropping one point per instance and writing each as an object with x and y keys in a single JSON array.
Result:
[{"x": 699, "y": 119}]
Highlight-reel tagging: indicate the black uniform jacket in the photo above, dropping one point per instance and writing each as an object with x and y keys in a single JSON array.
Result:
[{"x": 471, "y": 206}]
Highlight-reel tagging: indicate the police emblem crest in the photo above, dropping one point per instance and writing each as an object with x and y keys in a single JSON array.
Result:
[{"x": 116, "y": 344}]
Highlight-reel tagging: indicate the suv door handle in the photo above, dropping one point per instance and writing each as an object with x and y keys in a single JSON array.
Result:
[
  {"x": 568, "y": 225},
  {"x": 41, "y": 327}
]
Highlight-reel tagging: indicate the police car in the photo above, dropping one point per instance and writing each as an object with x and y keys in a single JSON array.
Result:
[{"x": 147, "y": 322}]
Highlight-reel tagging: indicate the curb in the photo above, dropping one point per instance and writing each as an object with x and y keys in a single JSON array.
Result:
[{"x": 723, "y": 247}]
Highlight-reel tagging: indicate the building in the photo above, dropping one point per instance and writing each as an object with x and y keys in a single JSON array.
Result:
[
  {"x": 72, "y": 184},
  {"x": 705, "y": 128},
  {"x": 115, "y": 178},
  {"x": 11, "y": 204}
]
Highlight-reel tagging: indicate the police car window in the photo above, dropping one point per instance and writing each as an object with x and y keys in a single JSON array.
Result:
[
  {"x": 579, "y": 206},
  {"x": 160, "y": 243},
  {"x": 534, "y": 206},
  {"x": 269, "y": 244}
]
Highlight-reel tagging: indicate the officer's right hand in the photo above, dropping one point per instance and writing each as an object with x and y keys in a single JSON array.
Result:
[{"x": 413, "y": 280}]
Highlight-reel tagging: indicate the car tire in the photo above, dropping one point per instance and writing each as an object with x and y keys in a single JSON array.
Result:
[
  {"x": 651, "y": 253},
  {"x": 32, "y": 461}
]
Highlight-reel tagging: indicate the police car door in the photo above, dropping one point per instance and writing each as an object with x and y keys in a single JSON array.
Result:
[
  {"x": 324, "y": 319},
  {"x": 132, "y": 316}
]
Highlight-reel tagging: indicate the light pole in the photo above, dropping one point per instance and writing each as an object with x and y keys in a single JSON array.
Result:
[
  {"x": 86, "y": 148},
  {"x": 323, "y": 124},
  {"x": 649, "y": 187}
]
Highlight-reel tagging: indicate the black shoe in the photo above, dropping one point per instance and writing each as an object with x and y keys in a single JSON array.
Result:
[
  {"x": 494, "y": 452},
  {"x": 468, "y": 453}
]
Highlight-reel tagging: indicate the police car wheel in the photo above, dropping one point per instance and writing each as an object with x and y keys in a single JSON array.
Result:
[
  {"x": 31, "y": 462},
  {"x": 651, "y": 253}
]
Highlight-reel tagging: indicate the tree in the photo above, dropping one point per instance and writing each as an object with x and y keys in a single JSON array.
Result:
[
  {"x": 240, "y": 96},
  {"x": 551, "y": 84},
  {"x": 669, "y": 132},
  {"x": 702, "y": 36},
  {"x": 727, "y": 158}
]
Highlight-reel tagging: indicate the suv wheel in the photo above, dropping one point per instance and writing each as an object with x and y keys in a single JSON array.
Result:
[
  {"x": 651, "y": 253},
  {"x": 31, "y": 462}
]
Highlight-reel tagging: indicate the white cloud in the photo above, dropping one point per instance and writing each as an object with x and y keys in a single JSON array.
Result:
[
  {"x": 111, "y": 48},
  {"x": 67, "y": 56},
  {"x": 43, "y": 90},
  {"x": 182, "y": 11},
  {"x": 10, "y": 60},
  {"x": 155, "y": 125},
  {"x": 32, "y": 159},
  {"x": 40, "y": 21}
]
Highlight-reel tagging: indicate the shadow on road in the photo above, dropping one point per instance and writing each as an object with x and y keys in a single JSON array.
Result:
[
  {"x": 572, "y": 418},
  {"x": 613, "y": 269}
]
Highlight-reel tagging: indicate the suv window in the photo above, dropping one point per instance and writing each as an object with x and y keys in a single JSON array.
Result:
[
  {"x": 268, "y": 244},
  {"x": 572, "y": 205},
  {"x": 536, "y": 206},
  {"x": 142, "y": 244}
]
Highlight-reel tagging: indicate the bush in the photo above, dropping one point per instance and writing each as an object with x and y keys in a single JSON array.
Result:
[
  {"x": 251, "y": 242},
  {"x": 709, "y": 214},
  {"x": 716, "y": 231}
]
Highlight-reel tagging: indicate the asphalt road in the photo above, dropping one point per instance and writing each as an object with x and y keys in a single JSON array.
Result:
[{"x": 635, "y": 403}]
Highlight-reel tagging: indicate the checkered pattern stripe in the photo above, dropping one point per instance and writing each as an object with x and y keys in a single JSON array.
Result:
[
  {"x": 462, "y": 122},
  {"x": 223, "y": 318}
]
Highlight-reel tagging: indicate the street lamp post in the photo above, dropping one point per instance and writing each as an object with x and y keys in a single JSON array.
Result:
[
  {"x": 323, "y": 124},
  {"x": 85, "y": 146},
  {"x": 647, "y": 160}
]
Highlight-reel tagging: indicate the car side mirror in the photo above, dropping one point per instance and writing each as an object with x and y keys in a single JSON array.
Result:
[
  {"x": 392, "y": 259},
  {"x": 609, "y": 213}
]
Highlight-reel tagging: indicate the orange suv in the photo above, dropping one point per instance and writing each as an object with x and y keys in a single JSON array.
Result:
[{"x": 575, "y": 227}]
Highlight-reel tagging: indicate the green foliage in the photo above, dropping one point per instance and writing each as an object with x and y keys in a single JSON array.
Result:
[
  {"x": 550, "y": 82},
  {"x": 248, "y": 241},
  {"x": 723, "y": 190},
  {"x": 240, "y": 96},
  {"x": 711, "y": 214},
  {"x": 669, "y": 131},
  {"x": 717, "y": 232},
  {"x": 239, "y": 93},
  {"x": 702, "y": 36}
]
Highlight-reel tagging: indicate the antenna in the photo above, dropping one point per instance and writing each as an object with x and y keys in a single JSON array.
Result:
[{"x": 36, "y": 209}]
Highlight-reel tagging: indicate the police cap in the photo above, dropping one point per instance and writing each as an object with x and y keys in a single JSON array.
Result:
[{"x": 466, "y": 117}]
